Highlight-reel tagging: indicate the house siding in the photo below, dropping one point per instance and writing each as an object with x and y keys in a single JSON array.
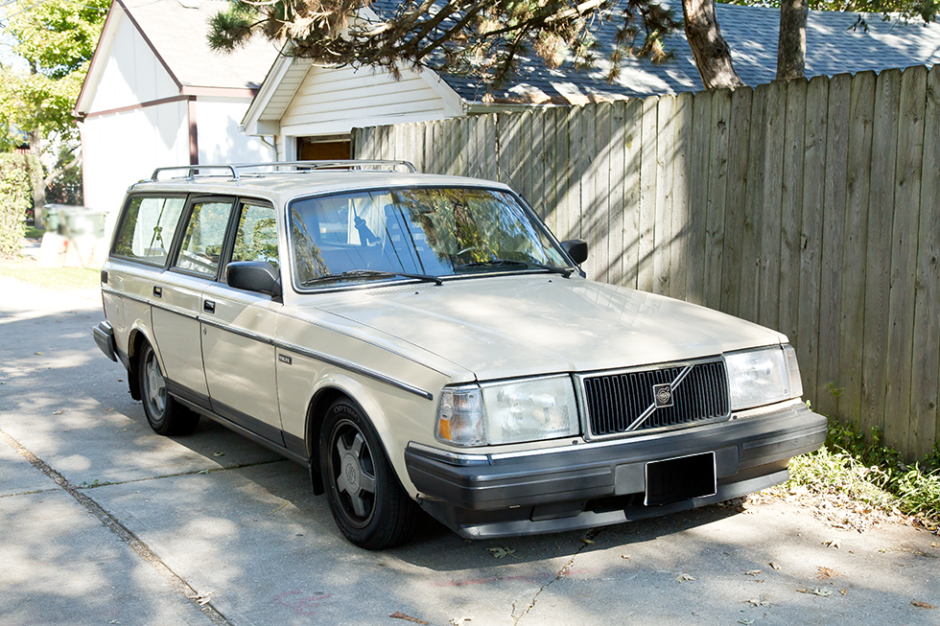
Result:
[
  {"x": 155, "y": 136},
  {"x": 220, "y": 140},
  {"x": 133, "y": 74},
  {"x": 335, "y": 100}
]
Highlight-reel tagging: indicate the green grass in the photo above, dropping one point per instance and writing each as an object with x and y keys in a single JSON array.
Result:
[
  {"x": 34, "y": 233},
  {"x": 870, "y": 472},
  {"x": 57, "y": 278}
]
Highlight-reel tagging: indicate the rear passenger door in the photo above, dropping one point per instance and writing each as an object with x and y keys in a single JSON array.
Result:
[
  {"x": 177, "y": 296},
  {"x": 238, "y": 329}
]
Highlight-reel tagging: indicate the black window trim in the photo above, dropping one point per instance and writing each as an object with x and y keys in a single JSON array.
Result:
[
  {"x": 228, "y": 243},
  {"x": 191, "y": 202}
]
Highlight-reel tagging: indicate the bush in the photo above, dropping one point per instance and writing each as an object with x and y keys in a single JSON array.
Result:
[
  {"x": 868, "y": 471},
  {"x": 16, "y": 196}
]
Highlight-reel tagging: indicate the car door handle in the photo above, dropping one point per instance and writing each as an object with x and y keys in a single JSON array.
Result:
[
  {"x": 158, "y": 291},
  {"x": 208, "y": 306}
]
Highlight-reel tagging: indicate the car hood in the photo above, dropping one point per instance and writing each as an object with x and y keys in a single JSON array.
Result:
[{"x": 508, "y": 326}]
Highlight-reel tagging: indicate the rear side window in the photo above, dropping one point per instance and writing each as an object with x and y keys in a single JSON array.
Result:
[{"x": 146, "y": 232}]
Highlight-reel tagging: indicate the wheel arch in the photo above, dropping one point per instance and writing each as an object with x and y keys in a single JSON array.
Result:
[
  {"x": 331, "y": 389},
  {"x": 135, "y": 343}
]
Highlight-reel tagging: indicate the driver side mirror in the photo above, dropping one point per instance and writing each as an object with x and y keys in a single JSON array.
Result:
[
  {"x": 577, "y": 249},
  {"x": 258, "y": 276}
]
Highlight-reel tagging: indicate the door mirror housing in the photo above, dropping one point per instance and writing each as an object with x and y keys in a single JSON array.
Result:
[
  {"x": 258, "y": 276},
  {"x": 577, "y": 249}
]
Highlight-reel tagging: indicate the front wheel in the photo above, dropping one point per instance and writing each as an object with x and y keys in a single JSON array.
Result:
[
  {"x": 369, "y": 505},
  {"x": 165, "y": 415}
]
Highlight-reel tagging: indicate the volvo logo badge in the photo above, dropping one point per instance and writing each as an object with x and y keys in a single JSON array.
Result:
[{"x": 663, "y": 395}]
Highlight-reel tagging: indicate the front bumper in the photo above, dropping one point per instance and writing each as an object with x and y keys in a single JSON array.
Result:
[{"x": 595, "y": 484}]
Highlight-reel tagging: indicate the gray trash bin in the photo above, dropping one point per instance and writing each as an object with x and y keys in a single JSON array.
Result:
[
  {"x": 77, "y": 221},
  {"x": 51, "y": 216}
]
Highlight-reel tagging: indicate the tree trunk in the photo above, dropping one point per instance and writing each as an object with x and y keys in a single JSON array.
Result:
[
  {"x": 37, "y": 178},
  {"x": 791, "y": 44},
  {"x": 709, "y": 49}
]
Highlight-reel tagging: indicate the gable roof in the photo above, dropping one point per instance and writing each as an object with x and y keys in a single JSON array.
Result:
[
  {"x": 832, "y": 47},
  {"x": 177, "y": 36}
]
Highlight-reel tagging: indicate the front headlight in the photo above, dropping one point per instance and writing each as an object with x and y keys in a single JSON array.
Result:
[
  {"x": 510, "y": 412},
  {"x": 761, "y": 377}
]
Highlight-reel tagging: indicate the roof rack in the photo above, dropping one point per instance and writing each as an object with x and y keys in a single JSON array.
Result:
[{"x": 237, "y": 170}]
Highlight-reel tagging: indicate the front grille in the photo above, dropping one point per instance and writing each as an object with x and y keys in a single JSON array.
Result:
[{"x": 614, "y": 401}]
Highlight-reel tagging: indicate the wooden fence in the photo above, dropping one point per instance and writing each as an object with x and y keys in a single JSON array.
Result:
[{"x": 811, "y": 207}]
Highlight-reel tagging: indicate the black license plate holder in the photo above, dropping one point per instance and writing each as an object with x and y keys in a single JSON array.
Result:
[{"x": 680, "y": 478}]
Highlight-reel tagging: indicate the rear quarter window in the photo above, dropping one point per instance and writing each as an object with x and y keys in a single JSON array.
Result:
[{"x": 147, "y": 228}]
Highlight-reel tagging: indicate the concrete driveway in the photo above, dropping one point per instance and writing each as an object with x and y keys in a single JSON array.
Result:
[{"x": 104, "y": 522}]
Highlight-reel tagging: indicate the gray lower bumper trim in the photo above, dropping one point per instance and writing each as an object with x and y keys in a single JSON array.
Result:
[
  {"x": 104, "y": 337},
  {"x": 473, "y": 529}
]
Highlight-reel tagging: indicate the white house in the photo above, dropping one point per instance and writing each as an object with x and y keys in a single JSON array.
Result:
[
  {"x": 308, "y": 111},
  {"x": 156, "y": 95}
]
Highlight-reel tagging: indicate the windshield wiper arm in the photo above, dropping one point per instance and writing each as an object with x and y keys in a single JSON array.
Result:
[
  {"x": 368, "y": 274},
  {"x": 564, "y": 271}
]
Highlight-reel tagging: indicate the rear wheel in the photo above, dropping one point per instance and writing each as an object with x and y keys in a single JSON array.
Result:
[
  {"x": 369, "y": 505},
  {"x": 165, "y": 415}
]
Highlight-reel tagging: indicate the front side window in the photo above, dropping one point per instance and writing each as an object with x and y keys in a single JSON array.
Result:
[
  {"x": 256, "y": 236},
  {"x": 205, "y": 234},
  {"x": 146, "y": 232},
  {"x": 430, "y": 231}
]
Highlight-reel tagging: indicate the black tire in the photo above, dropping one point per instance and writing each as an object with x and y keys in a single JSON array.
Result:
[
  {"x": 367, "y": 501},
  {"x": 165, "y": 415}
]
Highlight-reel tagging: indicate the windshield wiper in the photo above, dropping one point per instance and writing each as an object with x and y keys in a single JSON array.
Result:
[
  {"x": 564, "y": 271},
  {"x": 369, "y": 274}
]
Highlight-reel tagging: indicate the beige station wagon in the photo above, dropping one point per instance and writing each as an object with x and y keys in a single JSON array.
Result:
[{"x": 424, "y": 342}]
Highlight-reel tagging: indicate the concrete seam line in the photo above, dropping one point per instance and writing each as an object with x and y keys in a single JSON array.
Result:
[
  {"x": 562, "y": 573},
  {"x": 128, "y": 537}
]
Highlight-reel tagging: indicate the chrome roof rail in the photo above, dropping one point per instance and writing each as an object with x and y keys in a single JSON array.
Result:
[{"x": 237, "y": 170}]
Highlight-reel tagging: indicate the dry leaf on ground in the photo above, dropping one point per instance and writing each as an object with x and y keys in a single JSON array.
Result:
[
  {"x": 753, "y": 572},
  {"x": 774, "y": 565},
  {"x": 400, "y": 615},
  {"x": 922, "y": 605},
  {"x": 817, "y": 591},
  {"x": 500, "y": 553},
  {"x": 758, "y": 601},
  {"x": 834, "y": 543},
  {"x": 823, "y": 573},
  {"x": 683, "y": 577}
]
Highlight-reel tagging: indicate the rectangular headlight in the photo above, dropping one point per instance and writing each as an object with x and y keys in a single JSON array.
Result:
[
  {"x": 510, "y": 412},
  {"x": 761, "y": 377}
]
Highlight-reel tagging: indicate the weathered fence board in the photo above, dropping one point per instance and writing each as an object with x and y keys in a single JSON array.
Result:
[
  {"x": 741, "y": 265},
  {"x": 858, "y": 188},
  {"x": 833, "y": 245},
  {"x": 811, "y": 231},
  {"x": 900, "y": 311},
  {"x": 884, "y": 158},
  {"x": 811, "y": 207},
  {"x": 791, "y": 209},
  {"x": 925, "y": 416},
  {"x": 715, "y": 175}
]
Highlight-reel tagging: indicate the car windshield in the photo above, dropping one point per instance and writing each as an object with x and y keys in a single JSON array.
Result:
[{"x": 416, "y": 232}]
